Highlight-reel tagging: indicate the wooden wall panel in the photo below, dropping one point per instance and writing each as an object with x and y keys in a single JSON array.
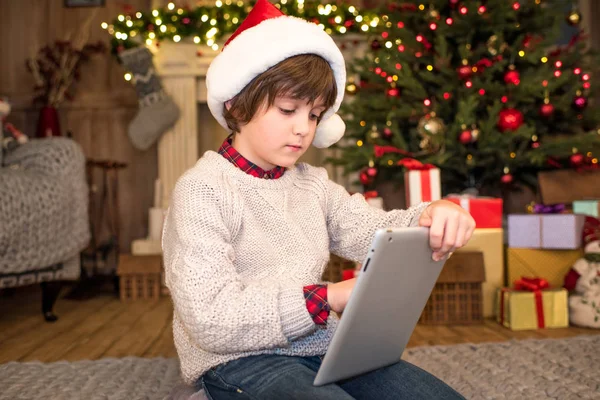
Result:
[{"x": 104, "y": 103}]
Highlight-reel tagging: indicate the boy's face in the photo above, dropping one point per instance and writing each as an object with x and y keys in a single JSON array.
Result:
[{"x": 280, "y": 134}]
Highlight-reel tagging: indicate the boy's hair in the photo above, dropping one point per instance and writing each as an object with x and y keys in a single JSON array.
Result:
[{"x": 305, "y": 77}]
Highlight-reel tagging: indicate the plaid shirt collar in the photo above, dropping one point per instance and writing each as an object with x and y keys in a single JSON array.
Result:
[{"x": 227, "y": 151}]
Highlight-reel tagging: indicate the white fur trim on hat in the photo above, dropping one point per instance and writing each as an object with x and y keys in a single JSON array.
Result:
[{"x": 259, "y": 48}]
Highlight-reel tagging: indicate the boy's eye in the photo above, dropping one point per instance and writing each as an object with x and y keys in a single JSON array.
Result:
[
  {"x": 286, "y": 112},
  {"x": 314, "y": 116}
]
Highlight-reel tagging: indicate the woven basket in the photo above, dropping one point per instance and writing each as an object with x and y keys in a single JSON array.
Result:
[
  {"x": 457, "y": 298},
  {"x": 139, "y": 277}
]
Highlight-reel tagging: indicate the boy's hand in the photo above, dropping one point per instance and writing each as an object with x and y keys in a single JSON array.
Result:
[
  {"x": 338, "y": 294},
  {"x": 450, "y": 227}
]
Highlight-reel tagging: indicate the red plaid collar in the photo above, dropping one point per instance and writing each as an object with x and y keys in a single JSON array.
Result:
[{"x": 227, "y": 151}]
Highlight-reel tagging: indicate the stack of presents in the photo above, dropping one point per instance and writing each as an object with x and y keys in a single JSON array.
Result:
[{"x": 542, "y": 270}]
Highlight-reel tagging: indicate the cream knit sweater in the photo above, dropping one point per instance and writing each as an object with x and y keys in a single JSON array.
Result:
[{"x": 239, "y": 249}]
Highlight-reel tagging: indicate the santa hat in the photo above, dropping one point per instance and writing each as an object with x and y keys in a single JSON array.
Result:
[
  {"x": 264, "y": 39},
  {"x": 591, "y": 232}
]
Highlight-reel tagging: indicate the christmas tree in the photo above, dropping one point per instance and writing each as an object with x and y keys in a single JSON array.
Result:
[{"x": 482, "y": 89}]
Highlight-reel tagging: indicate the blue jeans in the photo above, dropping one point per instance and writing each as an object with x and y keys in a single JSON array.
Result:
[{"x": 276, "y": 377}]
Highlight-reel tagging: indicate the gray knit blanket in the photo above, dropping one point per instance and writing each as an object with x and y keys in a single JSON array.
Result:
[
  {"x": 527, "y": 369},
  {"x": 43, "y": 206}
]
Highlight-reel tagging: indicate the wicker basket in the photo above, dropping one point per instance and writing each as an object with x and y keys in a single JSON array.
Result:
[
  {"x": 335, "y": 267},
  {"x": 139, "y": 277},
  {"x": 457, "y": 297}
]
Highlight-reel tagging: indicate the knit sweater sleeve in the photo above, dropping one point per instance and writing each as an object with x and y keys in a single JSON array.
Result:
[
  {"x": 220, "y": 311},
  {"x": 352, "y": 222}
]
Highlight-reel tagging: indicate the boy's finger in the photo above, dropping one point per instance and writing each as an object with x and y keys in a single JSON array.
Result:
[{"x": 436, "y": 233}]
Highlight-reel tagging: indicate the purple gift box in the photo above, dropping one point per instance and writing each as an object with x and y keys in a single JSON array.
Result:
[{"x": 545, "y": 231}]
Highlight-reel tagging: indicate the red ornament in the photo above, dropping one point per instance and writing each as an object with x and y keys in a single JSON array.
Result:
[
  {"x": 393, "y": 92},
  {"x": 506, "y": 178},
  {"x": 387, "y": 132},
  {"x": 464, "y": 72},
  {"x": 512, "y": 77},
  {"x": 546, "y": 110},
  {"x": 509, "y": 119},
  {"x": 372, "y": 172},
  {"x": 375, "y": 45},
  {"x": 576, "y": 159},
  {"x": 579, "y": 102},
  {"x": 365, "y": 179},
  {"x": 465, "y": 137}
]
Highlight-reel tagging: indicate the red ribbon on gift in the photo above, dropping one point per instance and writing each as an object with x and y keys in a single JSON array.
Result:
[
  {"x": 415, "y": 165},
  {"x": 535, "y": 285},
  {"x": 371, "y": 194}
]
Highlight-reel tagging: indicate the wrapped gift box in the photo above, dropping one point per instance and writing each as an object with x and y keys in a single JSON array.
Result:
[
  {"x": 553, "y": 265},
  {"x": 545, "y": 231},
  {"x": 490, "y": 242},
  {"x": 518, "y": 310},
  {"x": 567, "y": 186},
  {"x": 486, "y": 211},
  {"x": 587, "y": 207},
  {"x": 422, "y": 185}
]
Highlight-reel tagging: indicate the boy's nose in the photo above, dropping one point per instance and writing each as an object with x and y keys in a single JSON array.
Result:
[{"x": 301, "y": 126}]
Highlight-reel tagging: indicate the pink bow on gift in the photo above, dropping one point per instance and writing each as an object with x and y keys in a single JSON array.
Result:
[{"x": 415, "y": 165}]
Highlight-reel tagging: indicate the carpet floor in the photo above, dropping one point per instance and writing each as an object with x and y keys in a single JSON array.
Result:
[{"x": 526, "y": 369}]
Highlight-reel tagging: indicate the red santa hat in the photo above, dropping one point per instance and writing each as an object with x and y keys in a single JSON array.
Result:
[{"x": 265, "y": 38}]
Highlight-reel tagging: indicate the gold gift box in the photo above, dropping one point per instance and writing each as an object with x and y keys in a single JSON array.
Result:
[
  {"x": 489, "y": 241},
  {"x": 551, "y": 265},
  {"x": 520, "y": 311}
]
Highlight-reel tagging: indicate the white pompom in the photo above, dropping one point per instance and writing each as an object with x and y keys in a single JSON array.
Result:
[{"x": 329, "y": 131}]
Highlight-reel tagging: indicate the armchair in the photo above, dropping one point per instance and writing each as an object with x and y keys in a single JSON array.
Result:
[{"x": 44, "y": 221}]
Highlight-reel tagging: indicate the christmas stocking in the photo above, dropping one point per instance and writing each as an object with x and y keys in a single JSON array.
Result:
[{"x": 157, "y": 112}]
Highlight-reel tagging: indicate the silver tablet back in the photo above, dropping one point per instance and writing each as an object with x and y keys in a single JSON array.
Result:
[{"x": 396, "y": 280}]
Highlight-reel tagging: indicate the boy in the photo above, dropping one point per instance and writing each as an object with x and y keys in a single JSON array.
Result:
[{"x": 249, "y": 232}]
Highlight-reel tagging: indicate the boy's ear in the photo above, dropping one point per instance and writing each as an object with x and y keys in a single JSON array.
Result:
[{"x": 228, "y": 105}]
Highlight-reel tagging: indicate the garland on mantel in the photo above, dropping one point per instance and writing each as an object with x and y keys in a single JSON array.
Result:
[{"x": 207, "y": 24}]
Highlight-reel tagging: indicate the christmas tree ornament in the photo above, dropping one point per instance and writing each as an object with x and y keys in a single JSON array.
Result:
[
  {"x": 372, "y": 172},
  {"x": 546, "y": 110},
  {"x": 374, "y": 134},
  {"x": 433, "y": 14},
  {"x": 579, "y": 102},
  {"x": 351, "y": 87},
  {"x": 512, "y": 77},
  {"x": 474, "y": 134},
  {"x": 576, "y": 160},
  {"x": 574, "y": 17},
  {"x": 430, "y": 125},
  {"x": 393, "y": 92},
  {"x": 365, "y": 179},
  {"x": 506, "y": 178},
  {"x": 491, "y": 44},
  {"x": 465, "y": 137},
  {"x": 509, "y": 119},
  {"x": 464, "y": 72},
  {"x": 375, "y": 45},
  {"x": 387, "y": 132},
  {"x": 157, "y": 111}
]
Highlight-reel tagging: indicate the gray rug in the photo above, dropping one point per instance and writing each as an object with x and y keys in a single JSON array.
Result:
[{"x": 527, "y": 369}]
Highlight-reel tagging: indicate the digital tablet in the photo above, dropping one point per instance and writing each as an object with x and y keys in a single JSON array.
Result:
[{"x": 396, "y": 279}]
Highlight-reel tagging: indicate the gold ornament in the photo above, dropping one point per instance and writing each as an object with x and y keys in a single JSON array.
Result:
[
  {"x": 374, "y": 134},
  {"x": 574, "y": 17},
  {"x": 431, "y": 126},
  {"x": 351, "y": 87},
  {"x": 491, "y": 44},
  {"x": 474, "y": 134},
  {"x": 434, "y": 14}
]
